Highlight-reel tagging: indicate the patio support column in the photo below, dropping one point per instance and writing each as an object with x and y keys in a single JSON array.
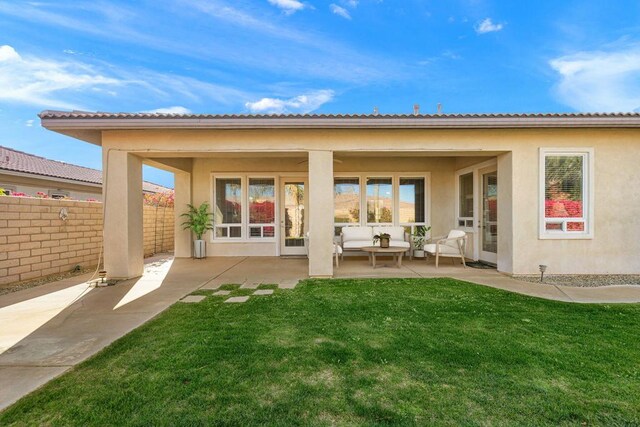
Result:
[
  {"x": 320, "y": 214},
  {"x": 505, "y": 213},
  {"x": 182, "y": 238},
  {"x": 122, "y": 205}
]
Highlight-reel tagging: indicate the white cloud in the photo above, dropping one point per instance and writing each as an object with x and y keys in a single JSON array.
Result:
[
  {"x": 7, "y": 53},
  {"x": 70, "y": 84},
  {"x": 288, "y": 6},
  {"x": 28, "y": 123},
  {"x": 600, "y": 81},
  {"x": 170, "y": 110},
  {"x": 340, "y": 11},
  {"x": 36, "y": 81},
  {"x": 487, "y": 26},
  {"x": 351, "y": 3},
  {"x": 300, "y": 104}
]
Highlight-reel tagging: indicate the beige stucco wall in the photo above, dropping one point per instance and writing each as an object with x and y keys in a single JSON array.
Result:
[
  {"x": 441, "y": 170},
  {"x": 615, "y": 247},
  {"x": 32, "y": 185}
]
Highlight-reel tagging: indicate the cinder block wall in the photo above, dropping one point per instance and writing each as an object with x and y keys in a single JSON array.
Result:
[
  {"x": 36, "y": 242},
  {"x": 158, "y": 227}
]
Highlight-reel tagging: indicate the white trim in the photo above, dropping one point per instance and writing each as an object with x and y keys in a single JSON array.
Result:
[
  {"x": 244, "y": 224},
  {"x": 346, "y": 176},
  {"x": 281, "y": 248},
  {"x": 491, "y": 257},
  {"x": 588, "y": 191},
  {"x": 477, "y": 202},
  {"x": 395, "y": 181}
]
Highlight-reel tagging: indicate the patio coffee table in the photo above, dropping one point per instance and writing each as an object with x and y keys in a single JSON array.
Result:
[{"x": 395, "y": 251}]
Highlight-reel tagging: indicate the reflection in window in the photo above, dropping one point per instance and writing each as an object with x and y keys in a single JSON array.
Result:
[
  {"x": 261, "y": 207},
  {"x": 379, "y": 200},
  {"x": 228, "y": 208},
  {"x": 411, "y": 209},
  {"x": 346, "y": 202},
  {"x": 563, "y": 193}
]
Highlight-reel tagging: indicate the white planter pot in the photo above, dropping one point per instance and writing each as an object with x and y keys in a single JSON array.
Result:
[
  {"x": 199, "y": 249},
  {"x": 418, "y": 253}
]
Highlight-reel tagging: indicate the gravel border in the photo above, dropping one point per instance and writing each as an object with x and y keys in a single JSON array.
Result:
[
  {"x": 19, "y": 286},
  {"x": 584, "y": 280}
]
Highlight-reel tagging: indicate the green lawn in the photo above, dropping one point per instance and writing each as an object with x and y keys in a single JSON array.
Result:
[{"x": 363, "y": 352}]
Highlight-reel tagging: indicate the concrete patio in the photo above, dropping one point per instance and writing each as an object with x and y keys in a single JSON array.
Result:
[{"x": 51, "y": 328}]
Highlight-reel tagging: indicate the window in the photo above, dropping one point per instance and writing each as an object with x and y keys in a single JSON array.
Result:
[
  {"x": 262, "y": 210},
  {"x": 244, "y": 208},
  {"x": 411, "y": 208},
  {"x": 8, "y": 189},
  {"x": 465, "y": 202},
  {"x": 346, "y": 202},
  {"x": 566, "y": 192},
  {"x": 58, "y": 194},
  {"x": 379, "y": 200},
  {"x": 228, "y": 208}
]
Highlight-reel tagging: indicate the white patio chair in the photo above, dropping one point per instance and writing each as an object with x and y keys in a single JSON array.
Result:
[
  {"x": 337, "y": 249},
  {"x": 452, "y": 246}
]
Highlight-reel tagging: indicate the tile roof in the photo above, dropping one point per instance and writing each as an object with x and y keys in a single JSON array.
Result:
[
  {"x": 18, "y": 161},
  {"x": 52, "y": 114}
]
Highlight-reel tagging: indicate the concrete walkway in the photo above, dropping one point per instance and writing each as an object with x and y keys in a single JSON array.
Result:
[
  {"x": 359, "y": 268},
  {"x": 51, "y": 328},
  {"x": 46, "y": 330}
]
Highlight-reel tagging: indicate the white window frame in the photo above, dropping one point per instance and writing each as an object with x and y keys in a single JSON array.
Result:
[
  {"x": 477, "y": 200},
  {"x": 396, "y": 201},
  {"x": 261, "y": 225},
  {"x": 245, "y": 235},
  {"x": 395, "y": 182},
  {"x": 243, "y": 197},
  {"x": 348, "y": 224},
  {"x": 587, "y": 198},
  {"x": 394, "y": 210},
  {"x": 467, "y": 219}
]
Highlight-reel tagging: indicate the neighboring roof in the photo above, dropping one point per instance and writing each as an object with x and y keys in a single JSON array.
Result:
[
  {"x": 87, "y": 126},
  {"x": 18, "y": 161}
]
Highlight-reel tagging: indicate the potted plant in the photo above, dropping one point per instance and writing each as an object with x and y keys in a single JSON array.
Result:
[
  {"x": 199, "y": 221},
  {"x": 383, "y": 238},
  {"x": 419, "y": 239}
]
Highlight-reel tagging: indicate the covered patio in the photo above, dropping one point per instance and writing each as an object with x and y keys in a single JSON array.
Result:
[
  {"x": 296, "y": 204},
  {"x": 287, "y": 187}
]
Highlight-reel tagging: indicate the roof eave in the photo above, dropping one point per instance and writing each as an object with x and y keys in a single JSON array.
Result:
[{"x": 88, "y": 129}]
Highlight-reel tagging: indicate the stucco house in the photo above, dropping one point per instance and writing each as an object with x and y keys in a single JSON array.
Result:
[
  {"x": 22, "y": 172},
  {"x": 529, "y": 189}
]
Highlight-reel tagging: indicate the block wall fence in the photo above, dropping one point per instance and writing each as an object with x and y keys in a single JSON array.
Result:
[{"x": 35, "y": 242}]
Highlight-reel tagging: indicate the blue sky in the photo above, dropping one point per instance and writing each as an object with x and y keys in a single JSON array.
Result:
[{"x": 339, "y": 56}]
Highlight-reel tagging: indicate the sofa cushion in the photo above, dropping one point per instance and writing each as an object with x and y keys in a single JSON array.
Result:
[
  {"x": 357, "y": 244},
  {"x": 396, "y": 233},
  {"x": 357, "y": 233},
  {"x": 455, "y": 234},
  {"x": 444, "y": 249},
  {"x": 398, "y": 243}
]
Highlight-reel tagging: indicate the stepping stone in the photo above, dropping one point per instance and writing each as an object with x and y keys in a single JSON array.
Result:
[
  {"x": 211, "y": 285},
  {"x": 251, "y": 284},
  {"x": 263, "y": 292},
  {"x": 193, "y": 298},
  {"x": 237, "y": 299},
  {"x": 288, "y": 284},
  {"x": 222, "y": 293}
]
